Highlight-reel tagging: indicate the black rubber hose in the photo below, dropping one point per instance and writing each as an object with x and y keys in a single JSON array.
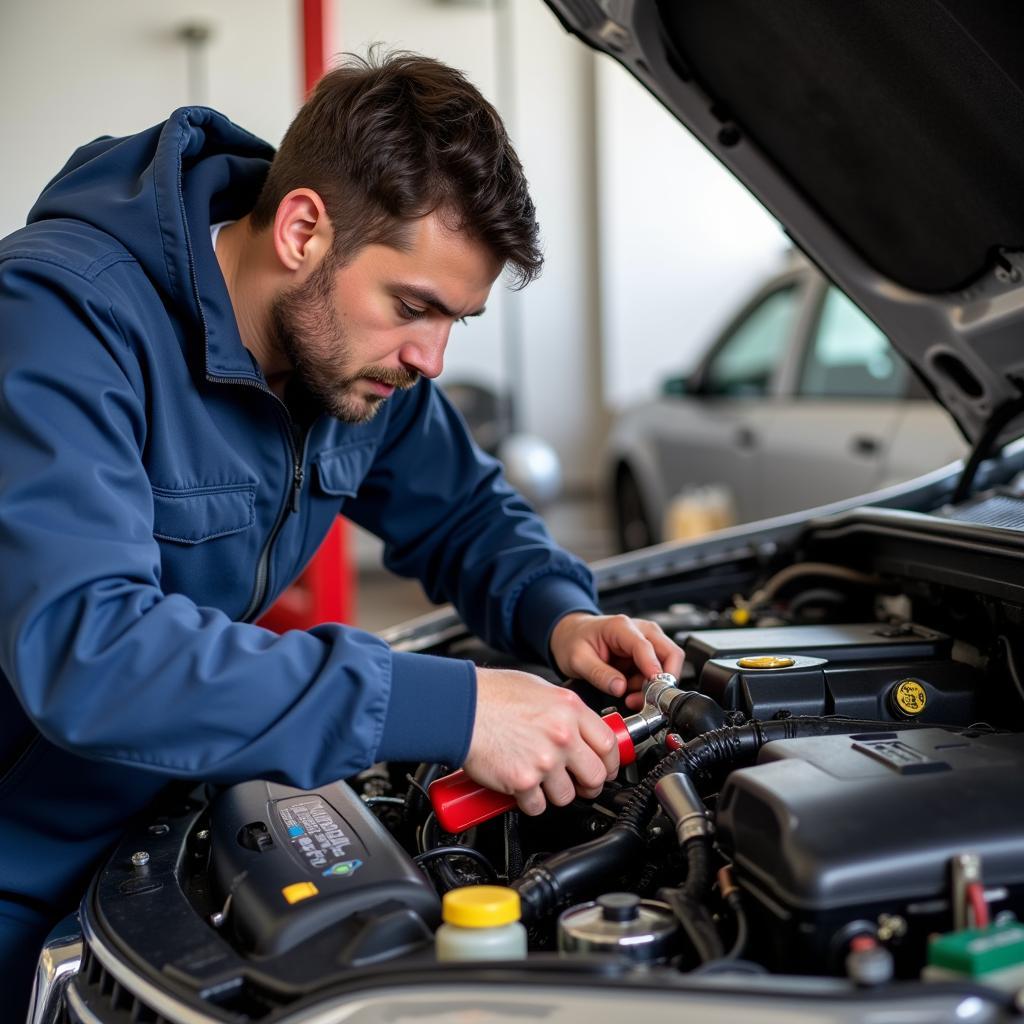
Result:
[
  {"x": 513, "y": 846},
  {"x": 739, "y": 943},
  {"x": 574, "y": 874},
  {"x": 695, "y": 713},
  {"x": 696, "y": 922},
  {"x": 417, "y": 804}
]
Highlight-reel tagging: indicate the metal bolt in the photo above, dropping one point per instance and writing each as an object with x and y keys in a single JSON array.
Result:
[
  {"x": 159, "y": 830},
  {"x": 203, "y": 834},
  {"x": 891, "y": 926},
  {"x": 140, "y": 859},
  {"x": 217, "y": 918}
]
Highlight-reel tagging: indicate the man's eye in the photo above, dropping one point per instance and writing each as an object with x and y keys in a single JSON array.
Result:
[{"x": 409, "y": 312}]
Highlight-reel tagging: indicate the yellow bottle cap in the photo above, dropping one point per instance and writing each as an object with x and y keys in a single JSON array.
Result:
[
  {"x": 480, "y": 906},
  {"x": 739, "y": 616}
]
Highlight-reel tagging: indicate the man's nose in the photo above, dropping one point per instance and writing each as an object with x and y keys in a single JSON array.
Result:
[{"x": 425, "y": 354}]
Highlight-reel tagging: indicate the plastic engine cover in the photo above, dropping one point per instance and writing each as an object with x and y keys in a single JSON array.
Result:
[
  {"x": 828, "y": 830},
  {"x": 295, "y": 863}
]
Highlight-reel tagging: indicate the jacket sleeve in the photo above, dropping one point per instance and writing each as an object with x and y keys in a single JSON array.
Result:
[
  {"x": 108, "y": 665},
  {"x": 449, "y": 518}
]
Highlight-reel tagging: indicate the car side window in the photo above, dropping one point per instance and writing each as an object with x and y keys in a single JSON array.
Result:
[
  {"x": 849, "y": 357},
  {"x": 747, "y": 360}
]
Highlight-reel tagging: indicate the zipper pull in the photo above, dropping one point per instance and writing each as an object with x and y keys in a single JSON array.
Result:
[{"x": 297, "y": 479}]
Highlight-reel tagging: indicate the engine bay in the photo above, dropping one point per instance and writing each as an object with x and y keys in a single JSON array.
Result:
[{"x": 831, "y": 789}]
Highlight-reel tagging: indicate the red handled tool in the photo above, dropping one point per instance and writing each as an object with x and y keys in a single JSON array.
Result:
[{"x": 460, "y": 803}]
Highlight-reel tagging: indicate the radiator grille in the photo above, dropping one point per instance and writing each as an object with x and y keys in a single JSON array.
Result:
[{"x": 1003, "y": 510}]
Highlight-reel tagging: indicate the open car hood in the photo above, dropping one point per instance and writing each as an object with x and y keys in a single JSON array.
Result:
[{"x": 887, "y": 138}]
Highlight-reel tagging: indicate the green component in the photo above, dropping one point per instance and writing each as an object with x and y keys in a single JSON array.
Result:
[{"x": 977, "y": 951}]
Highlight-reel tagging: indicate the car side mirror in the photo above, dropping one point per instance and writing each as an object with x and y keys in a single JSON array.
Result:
[{"x": 675, "y": 386}]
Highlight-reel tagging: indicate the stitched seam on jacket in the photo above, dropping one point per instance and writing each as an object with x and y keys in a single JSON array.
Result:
[
  {"x": 200, "y": 489},
  {"x": 88, "y": 274},
  {"x": 329, "y": 453}
]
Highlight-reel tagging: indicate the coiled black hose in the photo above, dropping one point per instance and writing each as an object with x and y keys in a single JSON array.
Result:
[{"x": 577, "y": 873}]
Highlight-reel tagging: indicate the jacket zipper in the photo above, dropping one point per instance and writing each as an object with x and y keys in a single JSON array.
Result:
[
  {"x": 291, "y": 503},
  {"x": 290, "y": 506}
]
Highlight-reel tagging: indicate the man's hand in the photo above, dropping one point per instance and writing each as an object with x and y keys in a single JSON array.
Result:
[
  {"x": 613, "y": 652},
  {"x": 535, "y": 740}
]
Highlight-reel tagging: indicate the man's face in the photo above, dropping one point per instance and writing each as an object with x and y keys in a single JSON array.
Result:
[{"x": 355, "y": 333}]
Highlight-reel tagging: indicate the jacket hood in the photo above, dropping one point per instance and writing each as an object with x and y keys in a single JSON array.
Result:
[
  {"x": 887, "y": 138},
  {"x": 155, "y": 191}
]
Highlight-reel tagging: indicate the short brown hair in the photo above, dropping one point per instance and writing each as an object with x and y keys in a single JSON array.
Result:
[{"x": 387, "y": 140}]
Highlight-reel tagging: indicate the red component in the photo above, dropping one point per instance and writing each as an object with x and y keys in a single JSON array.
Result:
[
  {"x": 627, "y": 752},
  {"x": 315, "y": 41},
  {"x": 325, "y": 592},
  {"x": 673, "y": 741},
  {"x": 978, "y": 905},
  {"x": 860, "y": 943},
  {"x": 461, "y": 803}
]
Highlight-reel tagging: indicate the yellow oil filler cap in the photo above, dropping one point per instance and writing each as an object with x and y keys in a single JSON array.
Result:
[
  {"x": 766, "y": 661},
  {"x": 908, "y": 698},
  {"x": 480, "y": 906}
]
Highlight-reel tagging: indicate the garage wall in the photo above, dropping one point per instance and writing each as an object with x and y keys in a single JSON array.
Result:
[
  {"x": 71, "y": 71},
  {"x": 681, "y": 243}
]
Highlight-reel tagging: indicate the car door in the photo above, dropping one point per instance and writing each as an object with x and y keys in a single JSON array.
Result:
[
  {"x": 710, "y": 435},
  {"x": 830, "y": 435}
]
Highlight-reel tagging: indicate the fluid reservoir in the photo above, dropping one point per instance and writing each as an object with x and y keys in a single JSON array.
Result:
[
  {"x": 481, "y": 922},
  {"x": 621, "y": 923}
]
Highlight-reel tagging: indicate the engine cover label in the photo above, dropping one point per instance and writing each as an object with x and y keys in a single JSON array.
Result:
[
  {"x": 320, "y": 837},
  {"x": 901, "y": 757}
]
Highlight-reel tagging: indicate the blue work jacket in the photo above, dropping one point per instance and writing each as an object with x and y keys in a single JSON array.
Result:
[{"x": 156, "y": 496}]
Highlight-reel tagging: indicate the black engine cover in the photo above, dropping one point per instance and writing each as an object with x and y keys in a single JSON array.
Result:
[{"x": 829, "y": 831}]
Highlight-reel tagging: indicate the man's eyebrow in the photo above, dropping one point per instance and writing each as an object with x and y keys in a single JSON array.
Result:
[{"x": 428, "y": 298}]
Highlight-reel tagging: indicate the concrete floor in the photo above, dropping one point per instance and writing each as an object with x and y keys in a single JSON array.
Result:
[{"x": 581, "y": 525}]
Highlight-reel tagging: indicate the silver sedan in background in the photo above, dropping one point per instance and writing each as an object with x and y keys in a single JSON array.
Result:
[{"x": 800, "y": 401}]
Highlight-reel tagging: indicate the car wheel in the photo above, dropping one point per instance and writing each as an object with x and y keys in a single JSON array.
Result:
[{"x": 632, "y": 526}]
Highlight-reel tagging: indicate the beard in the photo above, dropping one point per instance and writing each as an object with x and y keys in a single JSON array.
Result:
[{"x": 306, "y": 327}]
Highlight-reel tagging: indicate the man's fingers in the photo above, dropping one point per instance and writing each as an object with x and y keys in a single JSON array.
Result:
[
  {"x": 589, "y": 666},
  {"x": 635, "y": 701},
  {"x": 559, "y": 789},
  {"x": 531, "y": 801},
  {"x": 600, "y": 740},
  {"x": 626, "y": 637},
  {"x": 669, "y": 653}
]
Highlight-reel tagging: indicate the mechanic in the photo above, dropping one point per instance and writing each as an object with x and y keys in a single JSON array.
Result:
[{"x": 203, "y": 362}]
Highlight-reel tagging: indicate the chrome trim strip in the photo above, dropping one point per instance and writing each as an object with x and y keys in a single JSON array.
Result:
[
  {"x": 58, "y": 963},
  {"x": 80, "y": 1010}
]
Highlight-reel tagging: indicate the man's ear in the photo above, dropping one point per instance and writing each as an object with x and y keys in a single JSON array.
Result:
[{"x": 302, "y": 232}]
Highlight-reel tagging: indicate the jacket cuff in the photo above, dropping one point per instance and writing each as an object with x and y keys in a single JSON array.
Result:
[
  {"x": 431, "y": 710},
  {"x": 543, "y": 604}
]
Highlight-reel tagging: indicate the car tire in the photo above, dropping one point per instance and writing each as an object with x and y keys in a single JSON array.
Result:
[{"x": 632, "y": 524}]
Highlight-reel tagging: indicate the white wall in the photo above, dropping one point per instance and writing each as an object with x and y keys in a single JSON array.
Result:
[
  {"x": 682, "y": 242},
  {"x": 73, "y": 70}
]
